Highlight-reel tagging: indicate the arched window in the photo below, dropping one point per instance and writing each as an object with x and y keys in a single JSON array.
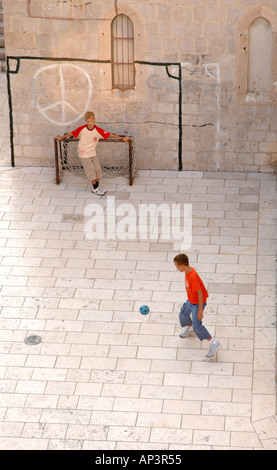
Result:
[
  {"x": 260, "y": 56},
  {"x": 123, "y": 67},
  {"x": 257, "y": 56}
]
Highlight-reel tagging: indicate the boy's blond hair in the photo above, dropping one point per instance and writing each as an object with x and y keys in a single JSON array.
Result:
[{"x": 89, "y": 115}]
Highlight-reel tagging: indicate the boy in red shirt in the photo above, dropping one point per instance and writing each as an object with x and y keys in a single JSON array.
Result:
[
  {"x": 195, "y": 305},
  {"x": 89, "y": 136}
]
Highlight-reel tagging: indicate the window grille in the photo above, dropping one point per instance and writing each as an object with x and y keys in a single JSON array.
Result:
[{"x": 123, "y": 67}]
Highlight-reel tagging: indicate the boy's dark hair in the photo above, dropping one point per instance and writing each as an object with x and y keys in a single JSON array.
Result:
[{"x": 181, "y": 260}]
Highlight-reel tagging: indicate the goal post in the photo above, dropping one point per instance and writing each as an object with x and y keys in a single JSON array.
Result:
[{"x": 66, "y": 158}]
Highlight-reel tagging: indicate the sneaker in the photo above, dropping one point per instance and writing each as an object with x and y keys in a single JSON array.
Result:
[
  {"x": 99, "y": 191},
  {"x": 187, "y": 331},
  {"x": 214, "y": 347}
]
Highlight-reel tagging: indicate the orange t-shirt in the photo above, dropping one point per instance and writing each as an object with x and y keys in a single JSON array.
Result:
[{"x": 194, "y": 283}]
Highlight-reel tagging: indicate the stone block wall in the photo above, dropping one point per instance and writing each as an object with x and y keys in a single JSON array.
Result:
[{"x": 191, "y": 108}]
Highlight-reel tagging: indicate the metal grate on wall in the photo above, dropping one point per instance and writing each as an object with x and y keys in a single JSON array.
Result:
[{"x": 123, "y": 67}]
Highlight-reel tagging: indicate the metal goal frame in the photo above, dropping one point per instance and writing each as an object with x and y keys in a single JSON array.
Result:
[{"x": 59, "y": 152}]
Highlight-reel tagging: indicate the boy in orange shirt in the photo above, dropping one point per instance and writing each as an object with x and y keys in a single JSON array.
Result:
[{"x": 195, "y": 305}]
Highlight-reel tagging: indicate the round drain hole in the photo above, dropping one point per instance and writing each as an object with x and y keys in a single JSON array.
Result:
[{"x": 32, "y": 340}]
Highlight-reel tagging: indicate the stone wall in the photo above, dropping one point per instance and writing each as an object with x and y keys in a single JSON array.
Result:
[{"x": 191, "y": 107}]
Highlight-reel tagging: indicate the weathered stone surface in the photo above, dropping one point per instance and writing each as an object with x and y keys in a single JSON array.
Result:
[{"x": 191, "y": 80}]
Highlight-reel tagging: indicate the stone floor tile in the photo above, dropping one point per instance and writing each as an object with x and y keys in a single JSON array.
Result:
[
  {"x": 168, "y": 436},
  {"x": 10, "y": 443},
  {"x": 214, "y": 438},
  {"x": 266, "y": 428}
]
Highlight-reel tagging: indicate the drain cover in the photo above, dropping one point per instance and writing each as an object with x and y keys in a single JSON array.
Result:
[{"x": 32, "y": 340}]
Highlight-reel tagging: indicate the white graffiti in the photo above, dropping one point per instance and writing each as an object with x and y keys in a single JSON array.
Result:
[
  {"x": 196, "y": 74},
  {"x": 213, "y": 71},
  {"x": 63, "y": 88},
  {"x": 62, "y": 9},
  {"x": 259, "y": 98},
  {"x": 209, "y": 70}
]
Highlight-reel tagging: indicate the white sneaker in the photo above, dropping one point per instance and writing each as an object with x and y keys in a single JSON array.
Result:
[
  {"x": 187, "y": 331},
  {"x": 99, "y": 191},
  {"x": 214, "y": 347}
]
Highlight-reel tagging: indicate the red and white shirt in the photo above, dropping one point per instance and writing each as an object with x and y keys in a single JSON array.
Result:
[{"x": 89, "y": 140}]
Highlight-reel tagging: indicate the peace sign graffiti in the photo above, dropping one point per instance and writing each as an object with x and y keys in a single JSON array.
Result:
[{"x": 62, "y": 92}]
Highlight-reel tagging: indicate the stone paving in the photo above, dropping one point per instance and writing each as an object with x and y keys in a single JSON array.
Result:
[{"x": 104, "y": 376}]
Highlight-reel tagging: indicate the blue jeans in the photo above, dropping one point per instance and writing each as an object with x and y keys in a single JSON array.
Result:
[{"x": 191, "y": 310}]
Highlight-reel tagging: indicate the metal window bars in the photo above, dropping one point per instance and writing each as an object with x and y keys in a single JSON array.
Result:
[{"x": 123, "y": 67}]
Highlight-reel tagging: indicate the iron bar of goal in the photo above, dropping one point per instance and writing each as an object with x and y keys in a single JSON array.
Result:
[
  {"x": 131, "y": 176},
  {"x": 58, "y": 153},
  {"x": 57, "y": 161}
]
